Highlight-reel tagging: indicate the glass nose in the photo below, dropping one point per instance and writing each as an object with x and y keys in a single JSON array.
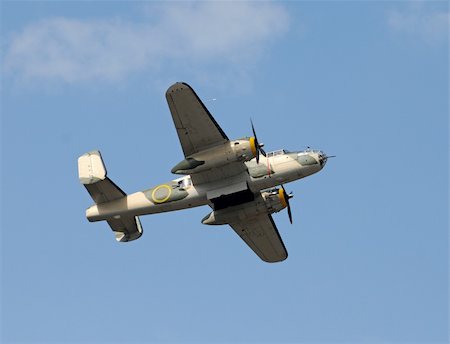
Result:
[{"x": 322, "y": 158}]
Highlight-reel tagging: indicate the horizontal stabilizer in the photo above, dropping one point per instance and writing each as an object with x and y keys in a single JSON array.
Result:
[
  {"x": 126, "y": 228},
  {"x": 92, "y": 174}
]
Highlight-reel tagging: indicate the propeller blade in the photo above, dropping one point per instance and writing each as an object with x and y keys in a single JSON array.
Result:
[
  {"x": 286, "y": 198},
  {"x": 258, "y": 148},
  {"x": 263, "y": 152},
  {"x": 253, "y": 128},
  {"x": 289, "y": 214}
]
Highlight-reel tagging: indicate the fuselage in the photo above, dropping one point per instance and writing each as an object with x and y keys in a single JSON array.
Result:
[{"x": 278, "y": 167}]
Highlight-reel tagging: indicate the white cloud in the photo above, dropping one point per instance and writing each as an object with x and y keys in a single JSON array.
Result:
[
  {"x": 422, "y": 21},
  {"x": 77, "y": 51}
]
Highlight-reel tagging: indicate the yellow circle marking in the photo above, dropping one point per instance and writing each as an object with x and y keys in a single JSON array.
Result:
[{"x": 165, "y": 198}]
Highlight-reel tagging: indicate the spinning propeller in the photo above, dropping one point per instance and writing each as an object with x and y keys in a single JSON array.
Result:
[
  {"x": 286, "y": 198},
  {"x": 257, "y": 146}
]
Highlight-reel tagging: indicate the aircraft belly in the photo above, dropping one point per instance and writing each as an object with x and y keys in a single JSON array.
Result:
[
  {"x": 227, "y": 189},
  {"x": 283, "y": 172}
]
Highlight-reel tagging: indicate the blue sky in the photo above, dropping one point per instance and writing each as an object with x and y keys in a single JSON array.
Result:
[{"x": 368, "y": 251}]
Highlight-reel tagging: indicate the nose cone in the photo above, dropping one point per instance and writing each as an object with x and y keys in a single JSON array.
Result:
[{"x": 322, "y": 158}]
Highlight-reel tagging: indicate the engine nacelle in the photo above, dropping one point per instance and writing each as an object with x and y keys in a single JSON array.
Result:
[
  {"x": 238, "y": 150},
  {"x": 272, "y": 202}
]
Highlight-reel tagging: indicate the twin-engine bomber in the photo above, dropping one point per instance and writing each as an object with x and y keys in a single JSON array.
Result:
[{"x": 240, "y": 182}]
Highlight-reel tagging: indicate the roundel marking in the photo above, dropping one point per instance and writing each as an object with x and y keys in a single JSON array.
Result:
[{"x": 161, "y": 193}]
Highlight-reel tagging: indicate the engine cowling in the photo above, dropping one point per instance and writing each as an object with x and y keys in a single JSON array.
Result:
[
  {"x": 272, "y": 202},
  {"x": 237, "y": 150}
]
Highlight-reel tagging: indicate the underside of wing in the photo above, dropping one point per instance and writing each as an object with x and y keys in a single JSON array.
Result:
[
  {"x": 196, "y": 128},
  {"x": 261, "y": 235}
]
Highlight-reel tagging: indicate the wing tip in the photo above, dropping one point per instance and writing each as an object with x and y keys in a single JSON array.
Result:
[
  {"x": 276, "y": 260},
  {"x": 179, "y": 85}
]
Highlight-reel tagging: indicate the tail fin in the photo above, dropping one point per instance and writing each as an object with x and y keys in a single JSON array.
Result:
[{"x": 92, "y": 174}]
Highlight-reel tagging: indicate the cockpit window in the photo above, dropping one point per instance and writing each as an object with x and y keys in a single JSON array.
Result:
[{"x": 277, "y": 152}]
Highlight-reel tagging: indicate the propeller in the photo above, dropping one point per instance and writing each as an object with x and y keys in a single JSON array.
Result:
[
  {"x": 258, "y": 146},
  {"x": 286, "y": 197}
]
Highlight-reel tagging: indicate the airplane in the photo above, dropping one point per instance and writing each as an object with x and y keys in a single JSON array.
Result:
[{"x": 240, "y": 181}]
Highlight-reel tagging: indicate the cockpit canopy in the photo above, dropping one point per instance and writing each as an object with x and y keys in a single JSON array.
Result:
[
  {"x": 277, "y": 152},
  {"x": 306, "y": 157}
]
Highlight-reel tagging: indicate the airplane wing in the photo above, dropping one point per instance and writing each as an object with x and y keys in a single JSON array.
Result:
[
  {"x": 261, "y": 235},
  {"x": 196, "y": 128},
  {"x": 198, "y": 131}
]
